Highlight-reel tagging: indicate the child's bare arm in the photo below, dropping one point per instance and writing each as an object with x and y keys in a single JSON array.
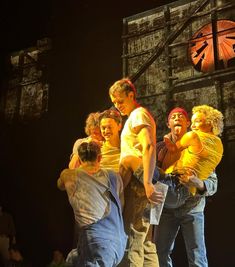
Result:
[{"x": 190, "y": 140}]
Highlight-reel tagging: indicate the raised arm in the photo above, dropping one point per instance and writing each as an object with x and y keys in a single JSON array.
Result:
[{"x": 190, "y": 140}]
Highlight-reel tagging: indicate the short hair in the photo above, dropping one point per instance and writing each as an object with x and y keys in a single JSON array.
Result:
[
  {"x": 112, "y": 114},
  {"x": 92, "y": 121},
  {"x": 124, "y": 85},
  {"x": 213, "y": 116},
  {"x": 89, "y": 151}
]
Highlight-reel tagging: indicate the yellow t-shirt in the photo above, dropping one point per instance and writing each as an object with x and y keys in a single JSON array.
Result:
[
  {"x": 110, "y": 157},
  {"x": 204, "y": 162}
]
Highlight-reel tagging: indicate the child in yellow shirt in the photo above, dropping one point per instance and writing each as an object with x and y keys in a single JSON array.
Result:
[{"x": 202, "y": 149}]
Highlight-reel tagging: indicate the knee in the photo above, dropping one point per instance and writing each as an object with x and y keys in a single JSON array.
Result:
[
  {"x": 126, "y": 162},
  {"x": 130, "y": 162}
]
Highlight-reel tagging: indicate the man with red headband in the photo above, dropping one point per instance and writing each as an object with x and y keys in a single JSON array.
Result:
[{"x": 187, "y": 213}]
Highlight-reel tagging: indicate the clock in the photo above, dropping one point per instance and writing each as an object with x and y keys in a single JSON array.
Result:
[{"x": 201, "y": 49}]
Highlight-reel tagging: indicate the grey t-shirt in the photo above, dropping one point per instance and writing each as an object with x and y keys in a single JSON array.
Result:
[{"x": 90, "y": 196}]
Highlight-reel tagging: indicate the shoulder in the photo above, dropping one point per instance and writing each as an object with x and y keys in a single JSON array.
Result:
[
  {"x": 141, "y": 111},
  {"x": 68, "y": 173},
  {"x": 193, "y": 140},
  {"x": 190, "y": 138},
  {"x": 141, "y": 116},
  {"x": 191, "y": 134}
]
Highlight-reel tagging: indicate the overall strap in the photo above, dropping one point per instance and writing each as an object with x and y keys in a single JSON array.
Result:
[{"x": 113, "y": 188}]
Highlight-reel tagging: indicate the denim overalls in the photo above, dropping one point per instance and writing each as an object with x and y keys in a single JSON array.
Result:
[{"x": 103, "y": 243}]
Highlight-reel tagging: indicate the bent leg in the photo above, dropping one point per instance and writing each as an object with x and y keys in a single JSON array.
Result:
[
  {"x": 139, "y": 249},
  {"x": 150, "y": 255},
  {"x": 99, "y": 254},
  {"x": 127, "y": 167}
]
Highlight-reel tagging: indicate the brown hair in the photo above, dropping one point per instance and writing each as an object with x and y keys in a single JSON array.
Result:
[
  {"x": 88, "y": 151},
  {"x": 92, "y": 121},
  {"x": 124, "y": 85},
  {"x": 111, "y": 113}
]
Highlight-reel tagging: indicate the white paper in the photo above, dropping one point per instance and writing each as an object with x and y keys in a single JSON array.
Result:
[{"x": 156, "y": 209}]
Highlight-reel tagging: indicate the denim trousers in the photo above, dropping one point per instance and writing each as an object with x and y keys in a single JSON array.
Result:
[
  {"x": 100, "y": 253},
  {"x": 191, "y": 224},
  {"x": 176, "y": 195}
]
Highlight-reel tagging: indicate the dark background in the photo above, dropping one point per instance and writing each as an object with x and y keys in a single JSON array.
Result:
[{"x": 84, "y": 61}]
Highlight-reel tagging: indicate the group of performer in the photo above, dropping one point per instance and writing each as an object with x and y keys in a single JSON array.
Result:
[{"x": 111, "y": 180}]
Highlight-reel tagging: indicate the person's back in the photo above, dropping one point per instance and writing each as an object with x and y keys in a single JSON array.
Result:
[
  {"x": 92, "y": 193},
  {"x": 90, "y": 186}
]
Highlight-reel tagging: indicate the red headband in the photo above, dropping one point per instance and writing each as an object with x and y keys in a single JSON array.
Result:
[{"x": 178, "y": 110}]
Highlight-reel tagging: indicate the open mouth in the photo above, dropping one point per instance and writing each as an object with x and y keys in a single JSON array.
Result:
[{"x": 177, "y": 125}]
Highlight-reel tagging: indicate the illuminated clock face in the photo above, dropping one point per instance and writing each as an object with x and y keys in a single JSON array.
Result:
[{"x": 201, "y": 49}]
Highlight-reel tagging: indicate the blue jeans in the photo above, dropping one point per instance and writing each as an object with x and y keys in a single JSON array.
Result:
[
  {"x": 176, "y": 195},
  {"x": 192, "y": 226},
  {"x": 100, "y": 253}
]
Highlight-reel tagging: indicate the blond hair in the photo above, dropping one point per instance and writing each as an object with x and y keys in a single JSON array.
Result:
[
  {"x": 124, "y": 85},
  {"x": 213, "y": 117}
]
